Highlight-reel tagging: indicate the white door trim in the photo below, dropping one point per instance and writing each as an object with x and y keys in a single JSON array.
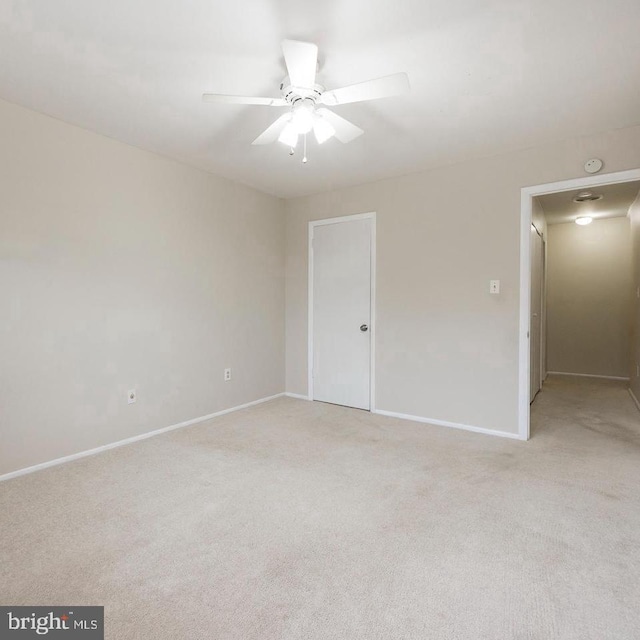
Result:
[
  {"x": 372, "y": 325},
  {"x": 526, "y": 207}
]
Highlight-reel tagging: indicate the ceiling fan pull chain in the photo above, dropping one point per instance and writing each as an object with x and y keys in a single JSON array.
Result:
[{"x": 304, "y": 157}]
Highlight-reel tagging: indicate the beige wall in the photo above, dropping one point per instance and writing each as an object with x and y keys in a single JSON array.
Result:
[
  {"x": 588, "y": 297},
  {"x": 634, "y": 215},
  {"x": 121, "y": 269},
  {"x": 446, "y": 349}
]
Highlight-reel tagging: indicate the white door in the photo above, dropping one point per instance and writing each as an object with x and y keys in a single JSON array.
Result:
[
  {"x": 341, "y": 312},
  {"x": 535, "y": 326}
]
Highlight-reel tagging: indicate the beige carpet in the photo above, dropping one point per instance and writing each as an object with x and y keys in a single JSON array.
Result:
[{"x": 296, "y": 520}]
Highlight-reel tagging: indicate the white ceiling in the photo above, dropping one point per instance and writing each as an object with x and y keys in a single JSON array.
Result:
[
  {"x": 615, "y": 203},
  {"x": 486, "y": 77}
]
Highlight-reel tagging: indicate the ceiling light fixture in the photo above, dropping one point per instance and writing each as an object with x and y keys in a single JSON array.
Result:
[
  {"x": 322, "y": 129},
  {"x": 587, "y": 196},
  {"x": 289, "y": 135},
  {"x": 584, "y": 220},
  {"x": 303, "y": 113},
  {"x": 303, "y": 119}
]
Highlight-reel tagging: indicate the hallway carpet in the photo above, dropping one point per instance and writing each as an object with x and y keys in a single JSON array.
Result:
[{"x": 305, "y": 521}]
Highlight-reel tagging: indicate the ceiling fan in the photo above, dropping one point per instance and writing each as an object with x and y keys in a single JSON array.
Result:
[{"x": 306, "y": 100}]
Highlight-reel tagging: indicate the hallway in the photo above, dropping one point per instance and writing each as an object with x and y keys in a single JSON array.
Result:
[{"x": 586, "y": 412}]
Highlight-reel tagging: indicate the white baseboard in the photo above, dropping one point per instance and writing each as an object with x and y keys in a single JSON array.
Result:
[
  {"x": 121, "y": 443},
  {"x": 298, "y": 396},
  {"x": 586, "y": 375},
  {"x": 633, "y": 396},
  {"x": 445, "y": 423},
  {"x": 440, "y": 423}
]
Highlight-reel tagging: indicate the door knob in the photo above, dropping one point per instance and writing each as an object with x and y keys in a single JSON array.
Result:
[{"x": 363, "y": 327}]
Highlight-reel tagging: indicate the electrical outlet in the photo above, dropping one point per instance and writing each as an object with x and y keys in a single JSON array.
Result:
[
  {"x": 227, "y": 375},
  {"x": 131, "y": 396}
]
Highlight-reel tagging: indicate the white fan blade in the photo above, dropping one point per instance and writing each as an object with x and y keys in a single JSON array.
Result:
[
  {"x": 272, "y": 132},
  {"x": 301, "y": 59},
  {"x": 267, "y": 102},
  {"x": 345, "y": 131},
  {"x": 392, "y": 85}
]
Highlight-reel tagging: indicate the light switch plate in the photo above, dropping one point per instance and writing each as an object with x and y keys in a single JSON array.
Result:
[{"x": 494, "y": 286}]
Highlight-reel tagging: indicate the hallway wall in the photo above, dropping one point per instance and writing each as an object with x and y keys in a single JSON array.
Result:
[
  {"x": 588, "y": 297},
  {"x": 634, "y": 215}
]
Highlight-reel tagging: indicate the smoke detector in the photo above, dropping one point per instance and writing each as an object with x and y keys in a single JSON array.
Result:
[{"x": 593, "y": 166}]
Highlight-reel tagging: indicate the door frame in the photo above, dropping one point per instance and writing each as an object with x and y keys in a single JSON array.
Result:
[
  {"x": 372, "y": 321},
  {"x": 526, "y": 208},
  {"x": 543, "y": 295}
]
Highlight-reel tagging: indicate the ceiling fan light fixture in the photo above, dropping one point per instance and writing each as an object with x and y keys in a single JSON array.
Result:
[
  {"x": 308, "y": 100},
  {"x": 322, "y": 129},
  {"x": 289, "y": 136},
  {"x": 302, "y": 118}
]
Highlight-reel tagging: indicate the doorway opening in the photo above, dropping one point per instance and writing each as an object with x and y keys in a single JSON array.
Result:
[{"x": 535, "y": 266}]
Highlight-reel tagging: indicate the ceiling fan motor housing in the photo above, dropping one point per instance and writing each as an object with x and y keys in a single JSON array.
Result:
[{"x": 292, "y": 94}]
